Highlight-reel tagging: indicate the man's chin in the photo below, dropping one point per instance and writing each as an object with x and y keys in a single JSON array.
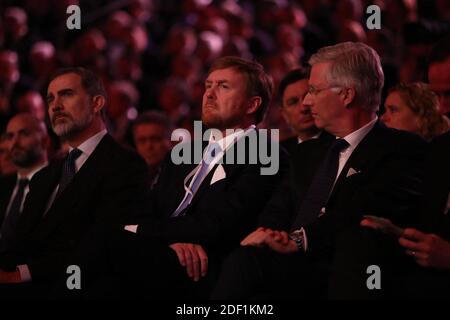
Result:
[{"x": 63, "y": 130}]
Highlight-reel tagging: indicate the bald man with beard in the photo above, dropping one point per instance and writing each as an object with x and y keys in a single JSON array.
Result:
[{"x": 26, "y": 140}]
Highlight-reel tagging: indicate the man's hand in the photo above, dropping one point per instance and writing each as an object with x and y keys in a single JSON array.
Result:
[
  {"x": 276, "y": 240},
  {"x": 193, "y": 257},
  {"x": 9, "y": 277},
  {"x": 429, "y": 250},
  {"x": 256, "y": 239},
  {"x": 281, "y": 243}
]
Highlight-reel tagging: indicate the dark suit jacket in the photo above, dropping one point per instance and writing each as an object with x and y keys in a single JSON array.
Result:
[
  {"x": 7, "y": 184},
  {"x": 436, "y": 188},
  {"x": 290, "y": 144},
  {"x": 389, "y": 165},
  {"x": 221, "y": 214},
  {"x": 101, "y": 194}
]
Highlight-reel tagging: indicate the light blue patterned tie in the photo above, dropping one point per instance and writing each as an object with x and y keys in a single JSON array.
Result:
[{"x": 199, "y": 175}]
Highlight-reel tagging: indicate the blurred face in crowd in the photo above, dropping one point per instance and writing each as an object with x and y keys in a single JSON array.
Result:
[
  {"x": 439, "y": 78},
  {"x": 295, "y": 113},
  {"x": 69, "y": 105},
  {"x": 225, "y": 101},
  {"x": 398, "y": 115},
  {"x": 324, "y": 100},
  {"x": 152, "y": 142},
  {"x": 26, "y": 140},
  {"x": 33, "y": 103},
  {"x": 6, "y": 165}
]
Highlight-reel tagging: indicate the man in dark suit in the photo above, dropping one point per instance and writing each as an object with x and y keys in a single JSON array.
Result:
[
  {"x": 291, "y": 92},
  {"x": 426, "y": 272},
  {"x": 198, "y": 213},
  {"x": 361, "y": 168},
  {"x": 27, "y": 142},
  {"x": 72, "y": 200}
]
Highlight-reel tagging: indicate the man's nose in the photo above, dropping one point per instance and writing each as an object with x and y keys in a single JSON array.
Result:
[{"x": 307, "y": 100}]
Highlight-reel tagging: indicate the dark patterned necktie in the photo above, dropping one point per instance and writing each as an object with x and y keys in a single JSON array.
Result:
[
  {"x": 10, "y": 222},
  {"x": 68, "y": 170},
  {"x": 320, "y": 189}
]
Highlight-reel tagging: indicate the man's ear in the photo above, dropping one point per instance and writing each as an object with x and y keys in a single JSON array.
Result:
[
  {"x": 348, "y": 95},
  {"x": 98, "y": 102},
  {"x": 254, "y": 104}
]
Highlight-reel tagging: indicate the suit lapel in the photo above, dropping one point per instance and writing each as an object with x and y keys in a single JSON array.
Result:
[
  {"x": 369, "y": 150},
  {"x": 228, "y": 168},
  {"x": 80, "y": 189},
  {"x": 309, "y": 154},
  {"x": 7, "y": 185},
  {"x": 40, "y": 191}
]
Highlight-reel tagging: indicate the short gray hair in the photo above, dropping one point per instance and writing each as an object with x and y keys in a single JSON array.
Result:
[{"x": 357, "y": 65}]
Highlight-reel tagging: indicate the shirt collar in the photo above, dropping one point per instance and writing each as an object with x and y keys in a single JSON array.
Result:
[
  {"x": 228, "y": 140},
  {"x": 355, "y": 137},
  {"x": 88, "y": 146},
  {"x": 316, "y": 136},
  {"x": 32, "y": 173}
]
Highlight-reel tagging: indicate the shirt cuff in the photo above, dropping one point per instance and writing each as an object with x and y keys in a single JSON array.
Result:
[
  {"x": 132, "y": 228},
  {"x": 305, "y": 239},
  {"x": 24, "y": 272}
]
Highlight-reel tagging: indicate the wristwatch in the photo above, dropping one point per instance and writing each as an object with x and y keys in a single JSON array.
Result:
[{"x": 299, "y": 238}]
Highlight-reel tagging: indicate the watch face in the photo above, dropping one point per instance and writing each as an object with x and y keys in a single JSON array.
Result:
[{"x": 296, "y": 234}]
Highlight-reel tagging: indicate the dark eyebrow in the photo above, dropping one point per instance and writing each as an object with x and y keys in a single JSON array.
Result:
[
  {"x": 218, "y": 81},
  {"x": 65, "y": 90},
  {"x": 60, "y": 92}
]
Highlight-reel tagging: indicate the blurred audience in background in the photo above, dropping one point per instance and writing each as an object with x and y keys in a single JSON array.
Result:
[
  {"x": 415, "y": 108},
  {"x": 151, "y": 136}
]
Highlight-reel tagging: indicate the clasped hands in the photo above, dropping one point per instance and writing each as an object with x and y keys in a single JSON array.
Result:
[
  {"x": 194, "y": 258},
  {"x": 278, "y": 241},
  {"x": 7, "y": 277}
]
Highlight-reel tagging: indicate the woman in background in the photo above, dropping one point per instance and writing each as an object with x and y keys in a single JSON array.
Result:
[{"x": 414, "y": 108}]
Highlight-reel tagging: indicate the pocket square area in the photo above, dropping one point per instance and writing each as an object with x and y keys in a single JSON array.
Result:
[
  {"x": 351, "y": 172},
  {"x": 219, "y": 174}
]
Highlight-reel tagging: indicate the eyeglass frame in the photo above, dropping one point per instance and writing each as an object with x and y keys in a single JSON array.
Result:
[{"x": 315, "y": 91}]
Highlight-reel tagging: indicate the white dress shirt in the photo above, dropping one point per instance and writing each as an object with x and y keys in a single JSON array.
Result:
[{"x": 29, "y": 176}]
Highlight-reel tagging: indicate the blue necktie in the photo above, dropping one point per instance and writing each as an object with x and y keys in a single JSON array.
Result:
[
  {"x": 68, "y": 170},
  {"x": 318, "y": 193},
  {"x": 201, "y": 172},
  {"x": 10, "y": 222}
]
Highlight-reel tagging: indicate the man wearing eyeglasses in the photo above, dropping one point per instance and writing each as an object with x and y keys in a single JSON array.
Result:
[{"x": 361, "y": 168}]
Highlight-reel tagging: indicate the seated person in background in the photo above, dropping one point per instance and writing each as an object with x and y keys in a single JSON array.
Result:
[
  {"x": 7, "y": 167},
  {"x": 429, "y": 243},
  {"x": 439, "y": 74},
  {"x": 414, "y": 108},
  {"x": 151, "y": 137},
  {"x": 291, "y": 92},
  {"x": 27, "y": 142}
]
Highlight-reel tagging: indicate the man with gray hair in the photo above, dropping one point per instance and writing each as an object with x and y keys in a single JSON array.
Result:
[
  {"x": 361, "y": 168},
  {"x": 27, "y": 141}
]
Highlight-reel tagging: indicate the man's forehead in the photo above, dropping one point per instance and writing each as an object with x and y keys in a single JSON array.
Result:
[
  {"x": 319, "y": 72},
  {"x": 20, "y": 123},
  {"x": 224, "y": 74},
  {"x": 68, "y": 80}
]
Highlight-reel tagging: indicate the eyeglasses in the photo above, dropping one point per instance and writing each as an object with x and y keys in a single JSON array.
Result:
[{"x": 315, "y": 91}]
